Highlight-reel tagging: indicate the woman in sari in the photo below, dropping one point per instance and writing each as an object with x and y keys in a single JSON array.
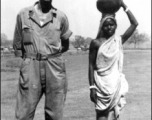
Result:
[{"x": 108, "y": 85}]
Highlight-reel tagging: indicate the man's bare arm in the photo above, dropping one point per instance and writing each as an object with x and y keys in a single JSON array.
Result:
[{"x": 65, "y": 45}]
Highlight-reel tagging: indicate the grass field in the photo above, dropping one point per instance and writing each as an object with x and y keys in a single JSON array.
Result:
[{"x": 137, "y": 68}]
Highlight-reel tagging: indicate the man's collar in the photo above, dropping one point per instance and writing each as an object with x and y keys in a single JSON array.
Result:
[{"x": 52, "y": 13}]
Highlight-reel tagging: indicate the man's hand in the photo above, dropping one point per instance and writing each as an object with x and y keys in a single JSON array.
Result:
[{"x": 93, "y": 95}]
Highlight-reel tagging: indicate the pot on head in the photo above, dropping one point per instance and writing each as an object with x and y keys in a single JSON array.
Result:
[{"x": 108, "y": 6}]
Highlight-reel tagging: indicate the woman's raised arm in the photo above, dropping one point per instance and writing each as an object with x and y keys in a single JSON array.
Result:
[{"x": 133, "y": 22}]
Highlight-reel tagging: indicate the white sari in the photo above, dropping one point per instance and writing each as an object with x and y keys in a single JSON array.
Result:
[{"x": 110, "y": 82}]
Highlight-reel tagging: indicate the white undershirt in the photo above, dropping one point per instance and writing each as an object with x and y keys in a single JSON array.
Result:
[{"x": 41, "y": 22}]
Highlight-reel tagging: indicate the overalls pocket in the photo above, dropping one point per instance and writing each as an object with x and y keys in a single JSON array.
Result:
[
  {"x": 61, "y": 63},
  {"x": 27, "y": 36},
  {"x": 24, "y": 73},
  {"x": 25, "y": 63},
  {"x": 54, "y": 37}
]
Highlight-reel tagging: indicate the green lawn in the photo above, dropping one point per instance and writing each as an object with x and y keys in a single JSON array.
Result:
[{"x": 137, "y": 68}]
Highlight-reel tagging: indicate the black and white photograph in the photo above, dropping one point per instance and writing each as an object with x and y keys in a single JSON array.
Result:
[{"x": 76, "y": 60}]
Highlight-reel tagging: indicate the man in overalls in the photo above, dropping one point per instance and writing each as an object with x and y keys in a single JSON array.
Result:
[{"x": 41, "y": 36}]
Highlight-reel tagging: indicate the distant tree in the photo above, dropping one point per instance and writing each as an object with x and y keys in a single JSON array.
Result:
[
  {"x": 3, "y": 38},
  {"x": 4, "y": 41},
  {"x": 87, "y": 42},
  {"x": 138, "y": 38},
  {"x": 79, "y": 41},
  {"x": 143, "y": 37},
  {"x": 75, "y": 44},
  {"x": 8, "y": 43}
]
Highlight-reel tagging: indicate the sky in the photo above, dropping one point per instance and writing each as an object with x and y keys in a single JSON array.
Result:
[{"x": 83, "y": 16}]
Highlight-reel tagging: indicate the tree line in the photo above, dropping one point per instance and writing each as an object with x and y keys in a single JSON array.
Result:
[
  {"x": 83, "y": 43},
  {"x": 136, "y": 39},
  {"x": 4, "y": 40}
]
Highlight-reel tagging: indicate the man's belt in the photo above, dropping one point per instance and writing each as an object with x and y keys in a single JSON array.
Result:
[{"x": 39, "y": 56}]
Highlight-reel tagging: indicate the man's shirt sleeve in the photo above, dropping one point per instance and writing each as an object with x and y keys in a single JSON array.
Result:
[
  {"x": 17, "y": 40},
  {"x": 65, "y": 32}
]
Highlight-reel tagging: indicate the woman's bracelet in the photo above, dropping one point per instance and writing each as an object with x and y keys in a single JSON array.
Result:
[
  {"x": 126, "y": 10},
  {"x": 92, "y": 87}
]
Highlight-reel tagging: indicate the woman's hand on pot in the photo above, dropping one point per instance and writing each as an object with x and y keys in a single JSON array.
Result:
[{"x": 123, "y": 5}]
